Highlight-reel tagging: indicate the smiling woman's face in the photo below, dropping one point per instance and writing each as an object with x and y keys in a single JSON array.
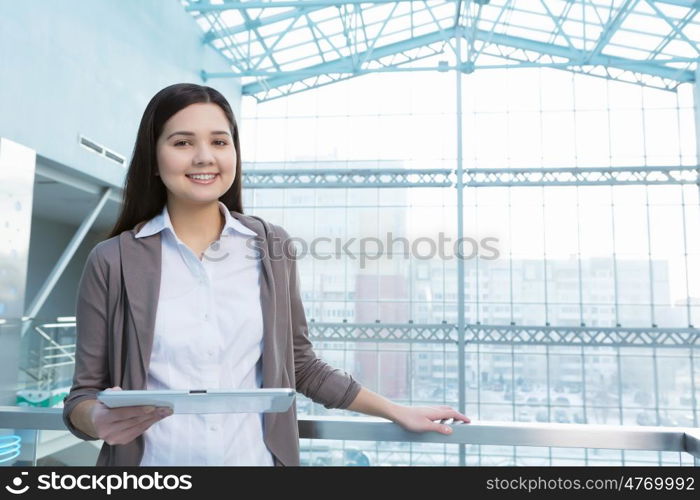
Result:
[{"x": 195, "y": 153}]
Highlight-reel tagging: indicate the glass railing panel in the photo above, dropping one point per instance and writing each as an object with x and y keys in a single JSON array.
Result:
[
  {"x": 47, "y": 361},
  {"x": 381, "y": 442},
  {"x": 18, "y": 447},
  {"x": 320, "y": 452}
]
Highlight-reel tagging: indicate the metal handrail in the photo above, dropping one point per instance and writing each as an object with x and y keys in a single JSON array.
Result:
[{"x": 678, "y": 439}]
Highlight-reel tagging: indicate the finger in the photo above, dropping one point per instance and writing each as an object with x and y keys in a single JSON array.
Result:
[
  {"x": 150, "y": 420},
  {"x": 460, "y": 422},
  {"x": 109, "y": 421},
  {"x": 136, "y": 431},
  {"x": 108, "y": 429},
  {"x": 124, "y": 433},
  {"x": 124, "y": 412},
  {"x": 456, "y": 416},
  {"x": 441, "y": 428},
  {"x": 157, "y": 417},
  {"x": 128, "y": 422}
]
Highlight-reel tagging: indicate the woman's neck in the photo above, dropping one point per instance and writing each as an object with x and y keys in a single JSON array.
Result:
[{"x": 199, "y": 224}]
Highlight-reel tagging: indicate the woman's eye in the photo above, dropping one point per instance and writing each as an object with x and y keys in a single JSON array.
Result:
[{"x": 221, "y": 143}]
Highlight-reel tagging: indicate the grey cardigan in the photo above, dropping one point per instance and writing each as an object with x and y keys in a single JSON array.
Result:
[{"x": 115, "y": 315}]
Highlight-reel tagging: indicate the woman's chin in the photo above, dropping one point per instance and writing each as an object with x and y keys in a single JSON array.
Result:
[{"x": 196, "y": 198}]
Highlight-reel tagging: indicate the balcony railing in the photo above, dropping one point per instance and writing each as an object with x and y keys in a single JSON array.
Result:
[{"x": 661, "y": 439}]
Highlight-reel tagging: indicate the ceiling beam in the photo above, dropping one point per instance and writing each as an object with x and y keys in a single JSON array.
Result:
[
  {"x": 258, "y": 22},
  {"x": 276, "y": 4},
  {"x": 345, "y": 64},
  {"x": 575, "y": 57},
  {"x": 690, "y": 4},
  {"x": 580, "y": 57}
]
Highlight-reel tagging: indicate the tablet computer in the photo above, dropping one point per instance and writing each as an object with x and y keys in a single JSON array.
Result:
[{"x": 204, "y": 401}]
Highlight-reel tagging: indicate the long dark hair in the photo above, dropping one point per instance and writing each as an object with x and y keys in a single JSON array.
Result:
[{"x": 144, "y": 193}]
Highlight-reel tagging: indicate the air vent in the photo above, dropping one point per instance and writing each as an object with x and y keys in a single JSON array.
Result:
[
  {"x": 91, "y": 145},
  {"x": 114, "y": 156},
  {"x": 102, "y": 151}
]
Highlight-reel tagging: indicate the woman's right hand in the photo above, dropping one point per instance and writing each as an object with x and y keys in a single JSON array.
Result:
[{"x": 122, "y": 425}]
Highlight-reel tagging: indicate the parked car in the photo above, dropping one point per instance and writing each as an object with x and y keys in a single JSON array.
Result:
[
  {"x": 533, "y": 401},
  {"x": 687, "y": 399},
  {"x": 561, "y": 416},
  {"x": 325, "y": 456},
  {"x": 524, "y": 416},
  {"x": 574, "y": 388},
  {"x": 542, "y": 416},
  {"x": 686, "y": 420},
  {"x": 667, "y": 421},
  {"x": 642, "y": 398},
  {"x": 562, "y": 401},
  {"x": 356, "y": 458},
  {"x": 645, "y": 418}
]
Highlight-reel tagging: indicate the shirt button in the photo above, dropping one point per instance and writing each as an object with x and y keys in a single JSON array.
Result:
[
  {"x": 210, "y": 352},
  {"x": 206, "y": 317},
  {"x": 213, "y": 428}
]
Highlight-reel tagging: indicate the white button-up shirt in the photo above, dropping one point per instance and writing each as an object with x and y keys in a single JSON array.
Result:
[{"x": 208, "y": 335}]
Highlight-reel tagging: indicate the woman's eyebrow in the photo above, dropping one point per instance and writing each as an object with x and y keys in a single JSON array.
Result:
[{"x": 216, "y": 132}]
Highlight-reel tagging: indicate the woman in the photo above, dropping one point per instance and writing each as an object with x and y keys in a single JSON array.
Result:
[{"x": 188, "y": 292}]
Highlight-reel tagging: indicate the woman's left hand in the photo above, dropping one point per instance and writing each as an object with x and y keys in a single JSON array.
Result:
[{"x": 421, "y": 418}]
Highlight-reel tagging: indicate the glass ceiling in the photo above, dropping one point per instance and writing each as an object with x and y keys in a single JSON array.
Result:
[{"x": 280, "y": 47}]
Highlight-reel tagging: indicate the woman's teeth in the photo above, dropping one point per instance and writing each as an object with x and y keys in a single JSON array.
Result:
[{"x": 202, "y": 177}]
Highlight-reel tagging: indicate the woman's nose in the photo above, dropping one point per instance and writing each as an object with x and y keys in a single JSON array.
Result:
[{"x": 203, "y": 155}]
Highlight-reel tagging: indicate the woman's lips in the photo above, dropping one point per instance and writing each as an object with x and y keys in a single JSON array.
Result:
[{"x": 203, "y": 181}]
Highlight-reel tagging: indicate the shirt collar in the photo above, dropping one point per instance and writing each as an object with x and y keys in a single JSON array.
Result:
[
  {"x": 162, "y": 221},
  {"x": 233, "y": 224}
]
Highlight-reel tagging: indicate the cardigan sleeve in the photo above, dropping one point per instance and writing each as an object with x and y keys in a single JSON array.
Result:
[
  {"x": 320, "y": 382},
  {"x": 91, "y": 363}
]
